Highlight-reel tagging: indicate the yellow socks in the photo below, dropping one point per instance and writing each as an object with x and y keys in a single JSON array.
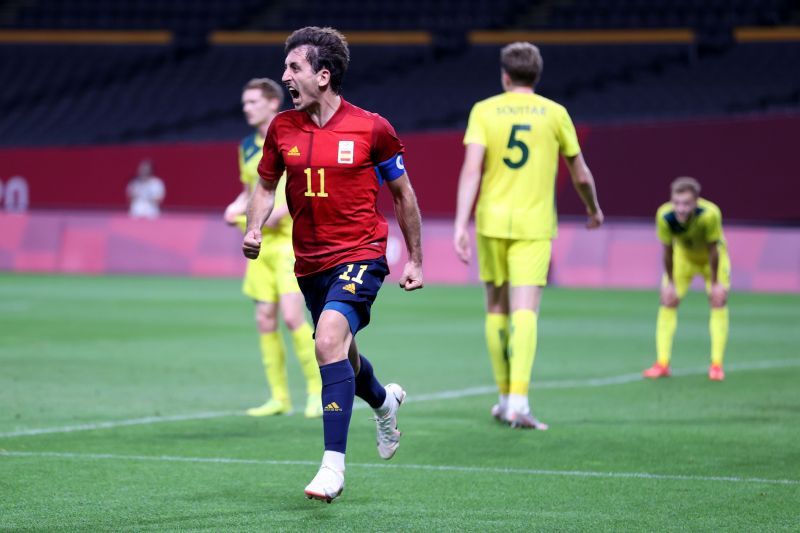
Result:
[
  {"x": 718, "y": 327},
  {"x": 273, "y": 355},
  {"x": 274, "y": 359},
  {"x": 303, "y": 341},
  {"x": 665, "y": 331},
  {"x": 497, "y": 345},
  {"x": 522, "y": 350}
]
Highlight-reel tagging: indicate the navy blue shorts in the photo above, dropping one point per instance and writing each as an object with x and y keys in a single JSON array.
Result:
[{"x": 349, "y": 288}]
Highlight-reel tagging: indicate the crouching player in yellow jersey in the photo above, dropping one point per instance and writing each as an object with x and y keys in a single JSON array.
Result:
[
  {"x": 516, "y": 138},
  {"x": 690, "y": 228},
  {"x": 270, "y": 280}
]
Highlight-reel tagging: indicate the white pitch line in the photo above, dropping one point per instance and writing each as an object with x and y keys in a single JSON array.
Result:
[
  {"x": 429, "y": 468},
  {"x": 598, "y": 382},
  {"x": 425, "y": 397},
  {"x": 681, "y": 372},
  {"x": 119, "y": 423}
]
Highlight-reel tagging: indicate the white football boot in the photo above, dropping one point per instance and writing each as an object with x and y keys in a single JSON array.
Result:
[
  {"x": 499, "y": 414},
  {"x": 388, "y": 434},
  {"x": 326, "y": 486},
  {"x": 525, "y": 420}
]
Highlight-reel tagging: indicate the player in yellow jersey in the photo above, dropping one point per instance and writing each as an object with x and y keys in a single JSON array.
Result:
[
  {"x": 270, "y": 280},
  {"x": 690, "y": 228},
  {"x": 516, "y": 138}
]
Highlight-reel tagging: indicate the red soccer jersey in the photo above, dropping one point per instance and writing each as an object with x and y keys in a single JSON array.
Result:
[{"x": 331, "y": 183}]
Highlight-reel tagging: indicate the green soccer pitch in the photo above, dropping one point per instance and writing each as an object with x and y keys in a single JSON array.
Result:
[{"x": 122, "y": 399}]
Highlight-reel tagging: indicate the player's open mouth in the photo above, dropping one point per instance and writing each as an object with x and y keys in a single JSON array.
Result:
[{"x": 294, "y": 93}]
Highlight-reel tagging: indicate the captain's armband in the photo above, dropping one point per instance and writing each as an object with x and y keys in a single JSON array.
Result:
[{"x": 392, "y": 168}]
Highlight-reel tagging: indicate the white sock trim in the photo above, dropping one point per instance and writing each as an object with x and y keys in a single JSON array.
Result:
[
  {"x": 386, "y": 406},
  {"x": 502, "y": 401},
  {"x": 518, "y": 403},
  {"x": 333, "y": 460}
]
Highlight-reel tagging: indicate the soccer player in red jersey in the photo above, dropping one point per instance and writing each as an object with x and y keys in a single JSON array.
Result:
[{"x": 336, "y": 156}]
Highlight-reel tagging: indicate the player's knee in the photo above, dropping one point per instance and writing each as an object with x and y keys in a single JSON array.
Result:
[
  {"x": 671, "y": 301},
  {"x": 720, "y": 300},
  {"x": 328, "y": 348},
  {"x": 497, "y": 298},
  {"x": 266, "y": 320},
  {"x": 266, "y": 325},
  {"x": 294, "y": 318},
  {"x": 498, "y": 308}
]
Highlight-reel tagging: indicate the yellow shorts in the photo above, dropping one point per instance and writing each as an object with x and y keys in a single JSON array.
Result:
[
  {"x": 684, "y": 271},
  {"x": 519, "y": 262},
  {"x": 272, "y": 274}
]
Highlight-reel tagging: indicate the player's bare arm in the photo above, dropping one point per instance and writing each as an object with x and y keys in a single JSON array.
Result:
[
  {"x": 583, "y": 181},
  {"x": 669, "y": 296},
  {"x": 237, "y": 207},
  {"x": 277, "y": 214},
  {"x": 408, "y": 216},
  {"x": 468, "y": 183},
  {"x": 258, "y": 210}
]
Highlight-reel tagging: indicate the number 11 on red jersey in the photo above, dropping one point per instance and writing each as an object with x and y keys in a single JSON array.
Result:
[{"x": 309, "y": 186}]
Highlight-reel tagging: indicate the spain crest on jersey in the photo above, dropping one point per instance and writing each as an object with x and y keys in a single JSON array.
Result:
[{"x": 346, "y": 152}]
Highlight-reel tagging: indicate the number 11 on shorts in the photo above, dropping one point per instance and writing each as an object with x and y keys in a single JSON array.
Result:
[{"x": 346, "y": 274}]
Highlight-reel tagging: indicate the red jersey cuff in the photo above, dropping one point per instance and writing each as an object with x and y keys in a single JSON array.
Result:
[{"x": 270, "y": 176}]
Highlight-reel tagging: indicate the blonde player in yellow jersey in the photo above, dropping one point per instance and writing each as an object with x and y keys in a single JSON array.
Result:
[
  {"x": 270, "y": 280},
  {"x": 516, "y": 138},
  {"x": 690, "y": 228}
]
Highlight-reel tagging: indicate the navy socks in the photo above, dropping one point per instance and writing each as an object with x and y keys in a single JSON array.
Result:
[
  {"x": 338, "y": 393},
  {"x": 339, "y": 388},
  {"x": 368, "y": 388}
]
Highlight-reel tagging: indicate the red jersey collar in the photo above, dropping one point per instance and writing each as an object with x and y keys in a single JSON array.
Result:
[{"x": 338, "y": 115}]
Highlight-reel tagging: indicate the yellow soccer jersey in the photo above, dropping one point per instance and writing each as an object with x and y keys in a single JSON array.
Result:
[
  {"x": 692, "y": 239},
  {"x": 523, "y": 134},
  {"x": 249, "y": 156}
]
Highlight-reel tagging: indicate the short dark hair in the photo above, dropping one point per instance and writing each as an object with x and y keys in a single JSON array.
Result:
[
  {"x": 522, "y": 62},
  {"x": 269, "y": 88},
  {"x": 686, "y": 184},
  {"x": 327, "y": 49}
]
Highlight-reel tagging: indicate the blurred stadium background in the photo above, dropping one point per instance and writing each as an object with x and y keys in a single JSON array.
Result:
[
  {"x": 658, "y": 89},
  {"x": 117, "y": 393}
]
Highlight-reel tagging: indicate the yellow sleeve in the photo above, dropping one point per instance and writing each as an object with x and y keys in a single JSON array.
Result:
[
  {"x": 280, "y": 192},
  {"x": 714, "y": 226},
  {"x": 241, "y": 223},
  {"x": 567, "y": 138},
  {"x": 476, "y": 132},
  {"x": 242, "y": 170},
  {"x": 662, "y": 229}
]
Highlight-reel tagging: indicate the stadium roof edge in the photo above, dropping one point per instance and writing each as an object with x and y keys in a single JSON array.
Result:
[
  {"x": 150, "y": 37},
  {"x": 353, "y": 37},
  {"x": 653, "y": 36},
  {"x": 760, "y": 34},
  {"x": 475, "y": 37}
]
